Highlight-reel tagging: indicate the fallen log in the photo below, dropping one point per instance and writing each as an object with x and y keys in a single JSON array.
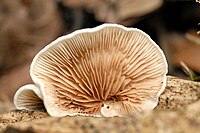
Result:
[{"x": 178, "y": 111}]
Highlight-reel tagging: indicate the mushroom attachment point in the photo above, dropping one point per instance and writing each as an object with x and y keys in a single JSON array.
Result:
[{"x": 109, "y": 70}]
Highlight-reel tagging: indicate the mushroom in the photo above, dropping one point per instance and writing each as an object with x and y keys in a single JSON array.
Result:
[
  {"x": 125, "y": 12},
  {"x": 109, "y": 70}
]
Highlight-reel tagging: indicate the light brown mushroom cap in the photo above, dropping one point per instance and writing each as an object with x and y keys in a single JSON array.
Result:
[
  {"x": 107, "y": 71},
  {"x": 28, "y": 97},
  {"x": 116, "y": 11}
]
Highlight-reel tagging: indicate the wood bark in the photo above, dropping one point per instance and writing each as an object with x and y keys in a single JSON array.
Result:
[{"x": 178, "y": 111}]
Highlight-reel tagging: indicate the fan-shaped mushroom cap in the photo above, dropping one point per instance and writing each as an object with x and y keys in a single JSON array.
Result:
[
  {"x": 107, "y": 71},
  {"x": 28, "y": 97}
]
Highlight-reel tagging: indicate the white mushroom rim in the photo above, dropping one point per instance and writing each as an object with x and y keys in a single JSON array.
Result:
[{"x": 109, "y": 70}]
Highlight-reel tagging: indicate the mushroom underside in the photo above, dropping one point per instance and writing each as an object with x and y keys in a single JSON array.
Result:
[
  {"x": 108, "y": 71},
  {"x": 82, "y": 73},
  {"x": 28, "y": 98}
]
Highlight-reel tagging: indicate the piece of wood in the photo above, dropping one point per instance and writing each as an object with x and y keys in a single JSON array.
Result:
[
  {"x": 178, "y": 111},
  {"x": 179, "y": 93}
]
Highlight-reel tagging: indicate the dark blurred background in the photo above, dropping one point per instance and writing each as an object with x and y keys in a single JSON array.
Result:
[{"x": 26, "y": 26}]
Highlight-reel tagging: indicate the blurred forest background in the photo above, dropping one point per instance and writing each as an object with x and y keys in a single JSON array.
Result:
[{"x": 26, "y": 26}]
